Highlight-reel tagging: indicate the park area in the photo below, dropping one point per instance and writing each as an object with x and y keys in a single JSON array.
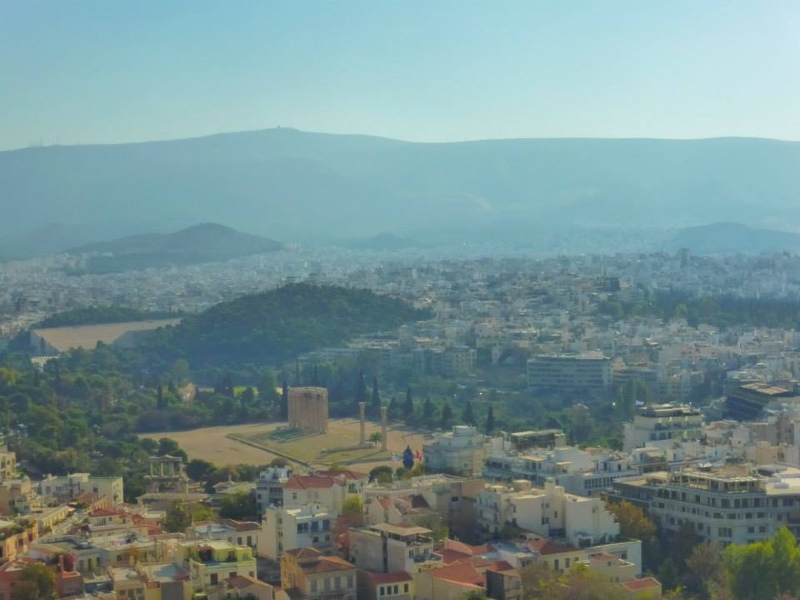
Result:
[{"x": 260, "y": 443}]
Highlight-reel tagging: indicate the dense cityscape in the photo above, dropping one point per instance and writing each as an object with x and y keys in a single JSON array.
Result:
[{"x": 631, "y": 416}]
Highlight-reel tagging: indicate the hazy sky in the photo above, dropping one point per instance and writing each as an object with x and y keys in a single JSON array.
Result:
[{"x": 116, "y": 71}]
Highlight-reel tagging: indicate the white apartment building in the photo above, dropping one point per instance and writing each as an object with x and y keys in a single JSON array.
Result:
[
  {"x": 581, "y": 472},
  {"x": 549, "y": 512},
  {"x": 662, "y": 422},
  {"x": 588, "y": 372},
  {"x": 289, "y": 528},
  {"x": 458, "y": 452},
  {"x": 731, "y": 504}
]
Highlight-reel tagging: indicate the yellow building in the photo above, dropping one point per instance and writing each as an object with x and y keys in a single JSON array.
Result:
[
  {"x": 16, "y": 538},
  {"x": 210, "y": 563}
]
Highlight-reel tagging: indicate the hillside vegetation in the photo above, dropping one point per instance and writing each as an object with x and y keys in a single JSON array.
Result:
[{"x": 276, "y": 326}]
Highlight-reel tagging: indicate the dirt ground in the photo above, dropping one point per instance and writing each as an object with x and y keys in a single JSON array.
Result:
[{"x": 214, "y": 445}]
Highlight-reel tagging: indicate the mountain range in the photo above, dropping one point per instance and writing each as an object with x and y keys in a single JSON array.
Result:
[{"x": 298, "y": 186}]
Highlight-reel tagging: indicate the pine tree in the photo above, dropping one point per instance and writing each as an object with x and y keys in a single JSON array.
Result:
[
  {"x": 408, "y": 407},
  {"x": 490, "y": 421},
  {"x": 468, "y": 416},
  {"x": 447, "y": 415}
]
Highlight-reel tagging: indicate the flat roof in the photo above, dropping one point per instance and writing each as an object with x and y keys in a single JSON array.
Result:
[{"x": 401, "y": 529}]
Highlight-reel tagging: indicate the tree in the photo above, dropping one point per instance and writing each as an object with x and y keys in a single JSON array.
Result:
[
  {"x": 447, "y": 416},
  {"x": 382, "y": 474},
  {"x": 634, "y": 524},
  {"x": 706, "y": 577},
  {"x": 178, "y": 517},
  {"x": 427, "y": 410},
  {"x": 199, "y": 469},
  {"x": 375, "y": 437},
  {"x": 764, "y": 569},
  {"x": 490, "y": 421},
  {"x": 37, "y": 582},
  {"x": 352, "y": 515},
  {"x": 408, "y": 406},
  {"x": 239, "y": 506},
  {"x": 468, "y": 416}
]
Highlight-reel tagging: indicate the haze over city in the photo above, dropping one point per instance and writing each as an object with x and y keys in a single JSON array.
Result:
[{"x": 109, "y": 72}]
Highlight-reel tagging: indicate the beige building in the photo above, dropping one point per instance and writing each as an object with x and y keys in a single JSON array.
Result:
[
  {"x": 308, "y": 408},
  {"x": 307, "y": 574},
  {"x": 8, "y": 464},
  {"x": 393, "y": 548},
  {"x": 69, "y": 487}
]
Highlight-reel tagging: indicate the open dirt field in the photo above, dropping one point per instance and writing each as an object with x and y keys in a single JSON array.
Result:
[{"x": 214, "y": 444}]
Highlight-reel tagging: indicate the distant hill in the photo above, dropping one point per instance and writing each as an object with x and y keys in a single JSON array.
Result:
[
  {"x": 276, "y": 326},
  {"x": 731, "y": 238},
  {"x": 385, "y": 241},
  {"x": 198, "y": 244},
  {"x": 293, "y": 185}
]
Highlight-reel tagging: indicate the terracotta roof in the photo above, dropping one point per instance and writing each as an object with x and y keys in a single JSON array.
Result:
[
  {"x": 105, "y": 512},
  {"x": 303, "y": 552},
  {"x": 500, "y": 565},
  {"x": 452, "y": 556},
  {"x": 549, "y": 547},
  {"x": 460, "y": 573},
  {"x": 243, "y": 581},
  {"x": 327, "y": 564},
  {"x": 304, "y": 482},
  {"x": 642, "y": 584}
]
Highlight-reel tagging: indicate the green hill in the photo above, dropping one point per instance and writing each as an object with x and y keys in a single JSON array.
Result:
[{"x": 276, "y": 326}]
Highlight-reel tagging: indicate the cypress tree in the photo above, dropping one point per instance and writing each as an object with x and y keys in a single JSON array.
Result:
[
  {"x": 468, "y": 416},
  {"x": 447, "y": 415},
  {"x": 408, "y": 407},
  {"x": 428, "y": 410},
  {"x": 490, "y": 421}
]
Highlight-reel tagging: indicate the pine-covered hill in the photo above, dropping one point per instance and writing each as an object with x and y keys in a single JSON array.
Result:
[{"x": 278, "y": 325}]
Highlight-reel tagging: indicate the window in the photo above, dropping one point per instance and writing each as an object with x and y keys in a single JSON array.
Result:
[
  {"x": 405, "y": 589},
  {"x": 382, "y": 590},
  {"x": 313, "y": 586},
  {"x": 214, "y": 579}
]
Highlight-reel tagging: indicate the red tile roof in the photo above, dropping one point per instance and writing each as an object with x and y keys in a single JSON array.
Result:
[
  {"x": 304, "y": 482},
  {"x": 642, "y": 584},
  {"x": 459, "y": 573}
]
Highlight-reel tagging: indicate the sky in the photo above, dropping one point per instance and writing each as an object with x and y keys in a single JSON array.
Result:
[{"x": 113, "y": 71}]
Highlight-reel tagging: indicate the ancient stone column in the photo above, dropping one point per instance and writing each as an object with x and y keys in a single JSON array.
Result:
[
  {"x": 383, "y": 427},
  {"x": 362, "y": 410}
]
